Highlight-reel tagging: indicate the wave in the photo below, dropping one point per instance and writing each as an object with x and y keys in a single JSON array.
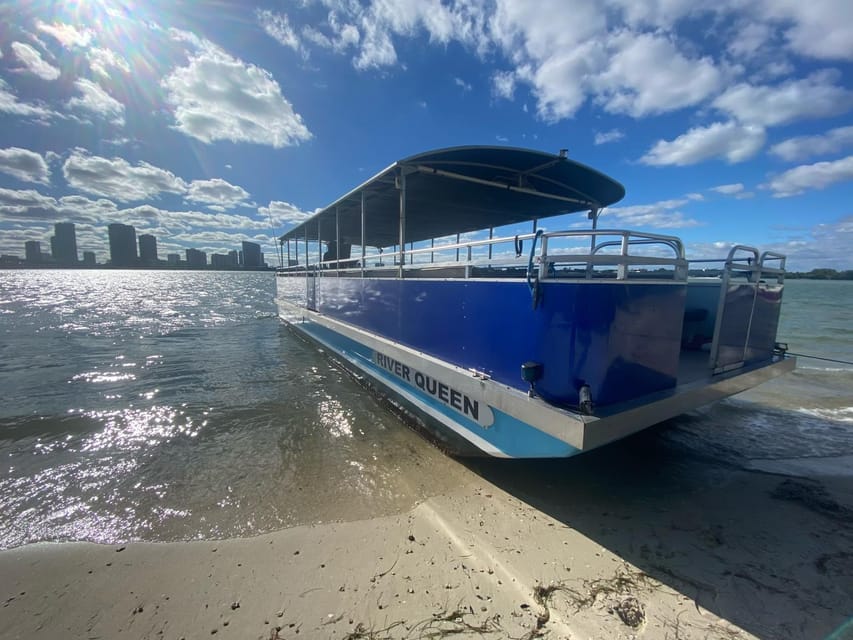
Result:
[{"x": 841, "y": 414}]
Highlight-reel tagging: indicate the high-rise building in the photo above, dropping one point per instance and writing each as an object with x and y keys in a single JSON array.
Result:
[
  {"x": 173, "y": 259},
  {"x": 122, "y": 245},
  {"x": 196, "y": 258},
  {"x": 251, "y": 254},
  {"x": 63, "y": 245},
  {"x": 89, "y": 258},
  {"x": 32, "y": 251},
  {"x": 233, "y": 258},
  {"x": 148, "y": 249}
]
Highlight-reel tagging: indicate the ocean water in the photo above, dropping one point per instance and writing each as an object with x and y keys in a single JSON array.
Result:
[{"x": 157, "y": 405}]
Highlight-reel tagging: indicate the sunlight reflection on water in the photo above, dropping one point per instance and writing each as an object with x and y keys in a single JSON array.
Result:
[{"x": 171, "y": 405}]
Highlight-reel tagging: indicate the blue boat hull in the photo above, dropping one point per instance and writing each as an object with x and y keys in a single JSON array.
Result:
[{"x": 622, "y": 339}]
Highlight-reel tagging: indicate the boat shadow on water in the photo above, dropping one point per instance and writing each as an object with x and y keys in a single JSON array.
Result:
[{"x": 769, "y": 553}]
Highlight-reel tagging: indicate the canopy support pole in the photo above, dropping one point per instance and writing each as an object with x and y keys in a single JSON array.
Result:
[
  {"x": 402, "y": 221},
  {"x": 362, "y": 234},
  {"x": 337, "y": 242}
]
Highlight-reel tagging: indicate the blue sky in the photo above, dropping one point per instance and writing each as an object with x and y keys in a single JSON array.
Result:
[{"x": 208, "y": 123}]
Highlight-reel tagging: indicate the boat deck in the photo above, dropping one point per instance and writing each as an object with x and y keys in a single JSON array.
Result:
[{"x": 692, "y": 366}]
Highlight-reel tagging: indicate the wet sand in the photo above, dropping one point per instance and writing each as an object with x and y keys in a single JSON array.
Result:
[{"x": 629, "y": 542}]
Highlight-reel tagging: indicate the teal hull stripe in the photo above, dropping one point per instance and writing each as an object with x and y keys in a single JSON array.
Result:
[{"x": 508, "y": 436}]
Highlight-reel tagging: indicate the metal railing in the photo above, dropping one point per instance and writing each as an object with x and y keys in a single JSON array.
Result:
[
  {"x": 753, "y": 266},
  {"x": 540, "y": 261}
]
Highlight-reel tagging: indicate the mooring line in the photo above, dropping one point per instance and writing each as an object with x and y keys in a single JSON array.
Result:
[{"x": 804, "y": 355}]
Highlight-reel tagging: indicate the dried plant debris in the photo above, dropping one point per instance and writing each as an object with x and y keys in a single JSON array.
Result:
[
  {"x": 623, "y": 584},
  {"x": 440, "y": 625}
]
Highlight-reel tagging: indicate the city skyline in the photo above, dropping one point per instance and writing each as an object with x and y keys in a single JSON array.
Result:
[
  {"x": 126, "y": 249},
  {"x": 208, "y": 124}
]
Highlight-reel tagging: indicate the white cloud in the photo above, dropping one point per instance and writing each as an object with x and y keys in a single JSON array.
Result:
[
  {"x": 67, "y": 35},
  {"x": 94, "y": 99},
  {"x": 659, "y": 13},
  {"x": 117, "y": 178},
  {"x": 820, "y": 29},
  {"x": 459, "y": 82},
  {"x": 283, "y": 213},
  {"x": 603, "y": 137},
  {"x": 809, "y": 177},
  {"x": 503, "y": 84},
  {"x": 816, "y": 96},
  {"x": 646, "y": 74},
  {"x": 9, "y": 104},
  {"x": 218, "y": 97},
  {"x": 803, "y": 147},
  {"x": 629, "y": 56},
  {"x": 729, "y": 140},
  {"x": 16, "y": 202},
  {"x": 277, "y": 26},
  {"x": 728, "y": 189},
  {"x": 176, "y": 222},
  {"x": 825, "y": 245},
  {"x": 748, "y": 38},
  {"x": 217, "y": 192},
  {"x": 311, "y": 34},
  {"x": 664, "y": 214},
  {"x": 24, "y": 165},
  {"x": 101, "y": 60},
  {"x": 34, "y": 63},
  {"x": 28, "y": 205},
  {"x": 377, "y": 50}
]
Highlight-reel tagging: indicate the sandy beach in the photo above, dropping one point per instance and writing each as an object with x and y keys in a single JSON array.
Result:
[{"x": 559, "y": 550}]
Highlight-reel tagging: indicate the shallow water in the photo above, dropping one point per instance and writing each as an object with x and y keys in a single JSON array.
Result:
[{"x": 161, "y": 405}]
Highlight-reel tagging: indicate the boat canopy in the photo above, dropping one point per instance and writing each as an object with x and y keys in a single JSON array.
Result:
[{"x": 457, "y": 190}]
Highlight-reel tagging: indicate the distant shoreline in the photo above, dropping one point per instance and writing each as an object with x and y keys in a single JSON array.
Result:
[
  {"x": 104, "y": 267},
  {"x": 795, "y": 275}
]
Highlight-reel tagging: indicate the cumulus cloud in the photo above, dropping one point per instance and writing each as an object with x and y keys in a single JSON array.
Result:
[
  {"x": 9, "y": 104},
  {"x": 646, "y": 74},
  {"x": 217, "y": 192},
  {"x": 728, "y": 140},
  {"x": 67, "y": 35},
  {"x": 603, "y": 137},
  {"x": 803, "y": 147},
  {"x": 24, "y": 165},
  {"x": 821, "y": 29},
  {"x": 92, "y": 98},
  {"x": 219, "y": 97},
  {"x": 664, "y": 214},
  {"x": 101, "y": 60},
  {"x": 809, "y": 177},
  {"x": 116, "y": 178},
  {"x": 629, "y": 57},
  {"x": 283, "y": 213},
  {"x": 27, "y": 205},
  {"x": 816, "y": 96},
  {"x": 33, "y": 62}
]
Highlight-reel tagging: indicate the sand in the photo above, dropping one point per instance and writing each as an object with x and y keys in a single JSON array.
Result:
[{"x": 738, "y": 555}]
